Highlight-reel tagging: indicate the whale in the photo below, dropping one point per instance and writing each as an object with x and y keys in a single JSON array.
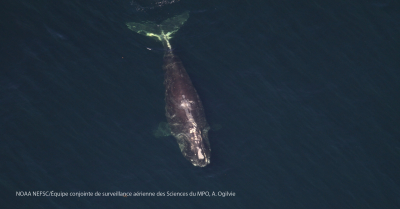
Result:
[{"x": 184, "y": 109}]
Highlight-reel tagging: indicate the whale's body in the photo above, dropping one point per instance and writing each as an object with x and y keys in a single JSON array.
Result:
[{"x": 184, "y": 110}]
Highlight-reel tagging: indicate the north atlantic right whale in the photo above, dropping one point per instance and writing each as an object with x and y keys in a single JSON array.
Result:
[{"x": 184, "y": 110}]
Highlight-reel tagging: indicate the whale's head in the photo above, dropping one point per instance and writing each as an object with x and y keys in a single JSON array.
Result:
[{"x": 195, "y": 147}]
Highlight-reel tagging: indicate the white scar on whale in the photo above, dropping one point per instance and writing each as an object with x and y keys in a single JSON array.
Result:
[{"x": 185, "y": 104}]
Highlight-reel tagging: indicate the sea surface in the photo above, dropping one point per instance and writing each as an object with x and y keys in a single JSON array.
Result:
[{"x": 302, "y": 98}]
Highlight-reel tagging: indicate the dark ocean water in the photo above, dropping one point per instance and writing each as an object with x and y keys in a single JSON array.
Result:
[{"x": 306, "y": 93}]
